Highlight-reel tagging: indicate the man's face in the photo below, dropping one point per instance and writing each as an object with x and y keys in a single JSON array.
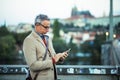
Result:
[{"x": 43, "y": 27}]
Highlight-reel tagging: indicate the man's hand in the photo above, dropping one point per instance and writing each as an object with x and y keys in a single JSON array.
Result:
[
  {"x": 64, "y": 55},
  {"x": 59, "y": 56}
]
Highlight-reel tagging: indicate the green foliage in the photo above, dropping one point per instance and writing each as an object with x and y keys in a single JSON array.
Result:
[
  {"x": 9, "y": 42},
  {"x": 100, "y": 39},
  {"x": 56, "y": 29},
  {"x": 19, "y": 37},
  {"x": 71, "y": 60},
  {"x": 3, "y": 31},
  {"x": 94, "y": 47},
  {"x": 85, "y": 47},
  {"x": 117, "y": 28},
  {"x": 7, "y": 48},
  {"x": 7, "y": 45},
  {"x": 59, "y": 45},
  {"x": 74, "y": 48}
]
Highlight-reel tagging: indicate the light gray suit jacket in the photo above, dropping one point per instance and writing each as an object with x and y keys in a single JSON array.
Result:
[{"x": 34, "y": 50}]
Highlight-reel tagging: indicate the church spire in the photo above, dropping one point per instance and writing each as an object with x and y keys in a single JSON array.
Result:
[{"x": 74, "y": 11}]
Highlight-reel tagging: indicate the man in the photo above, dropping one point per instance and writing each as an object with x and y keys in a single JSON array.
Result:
[{"x": 37, "y": 46}]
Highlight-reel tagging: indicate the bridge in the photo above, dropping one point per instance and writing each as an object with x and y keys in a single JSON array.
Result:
[{"x": 65, "y": 72}]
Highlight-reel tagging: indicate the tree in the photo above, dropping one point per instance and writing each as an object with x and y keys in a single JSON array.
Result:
[
  {"x": 9, "y": 43},
  {"x": 99, "y": 40},
  {"x": 58, "y": 43},
  {"x": 3, "y": 31},
  {"x": 117, "y": 28},
  {"x": 94, "y": 47},
  {"x": 19, "y": 37},
  {"x": 7, "y": 49},
  {"x": 73, "y": 46},
  {"x": 72, "y": 59},
  {"x": 56, "y": 29}
]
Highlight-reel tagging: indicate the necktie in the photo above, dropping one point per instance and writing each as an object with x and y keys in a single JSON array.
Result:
[{"x": 43, "y": 38}]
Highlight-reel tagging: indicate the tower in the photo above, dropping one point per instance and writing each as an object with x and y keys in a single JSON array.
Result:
[{"x": 74, "y": 11}]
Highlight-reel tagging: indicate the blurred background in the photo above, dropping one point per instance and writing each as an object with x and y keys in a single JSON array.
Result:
[{"x": 91, "y": 28}]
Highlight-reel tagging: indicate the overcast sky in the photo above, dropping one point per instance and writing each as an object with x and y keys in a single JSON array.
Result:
[{"x": 16, "y": 11}]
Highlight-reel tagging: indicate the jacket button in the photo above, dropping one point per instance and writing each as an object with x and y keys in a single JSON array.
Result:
[{"x": 51, "y": 68}]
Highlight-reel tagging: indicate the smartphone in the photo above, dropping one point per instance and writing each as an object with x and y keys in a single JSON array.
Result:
[{"x": 68, "y": 50}]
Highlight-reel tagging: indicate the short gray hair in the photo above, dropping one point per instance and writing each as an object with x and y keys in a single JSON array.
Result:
[{"x": 40, "y": 18}]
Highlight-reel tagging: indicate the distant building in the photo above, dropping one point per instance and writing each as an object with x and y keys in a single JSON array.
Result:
[
  {"x": 86, "y": 19},
  {"x": 20, "y": 28},
  {"x": 24, "y": 27},
  {"x": 11, "y": 28},
  {"x": 75, "y": 12},
  {"x": 78, "y": 18},
  {"x": 103, "y": 21}
]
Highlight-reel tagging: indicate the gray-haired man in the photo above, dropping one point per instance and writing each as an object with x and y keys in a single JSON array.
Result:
[{"x": 39, "y": 52}]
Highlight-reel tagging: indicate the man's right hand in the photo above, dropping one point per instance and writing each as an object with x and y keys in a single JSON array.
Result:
[{"x": 58, "y": 56}]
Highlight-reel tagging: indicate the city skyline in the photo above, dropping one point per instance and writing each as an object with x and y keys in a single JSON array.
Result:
[{"x": 17, "y": 11}]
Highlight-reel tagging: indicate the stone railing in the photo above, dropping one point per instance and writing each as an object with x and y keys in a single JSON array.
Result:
[{"x": 65, "y": 72}]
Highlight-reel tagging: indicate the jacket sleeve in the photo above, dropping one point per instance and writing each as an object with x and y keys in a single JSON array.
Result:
[{"x": 29, "y": 50}]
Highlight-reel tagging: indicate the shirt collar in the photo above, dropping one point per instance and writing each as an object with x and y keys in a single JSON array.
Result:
[{"x": 42, "y": 35}]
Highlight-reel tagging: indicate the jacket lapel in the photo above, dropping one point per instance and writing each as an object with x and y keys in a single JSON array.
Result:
[{"x": 38, "y": 38}]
